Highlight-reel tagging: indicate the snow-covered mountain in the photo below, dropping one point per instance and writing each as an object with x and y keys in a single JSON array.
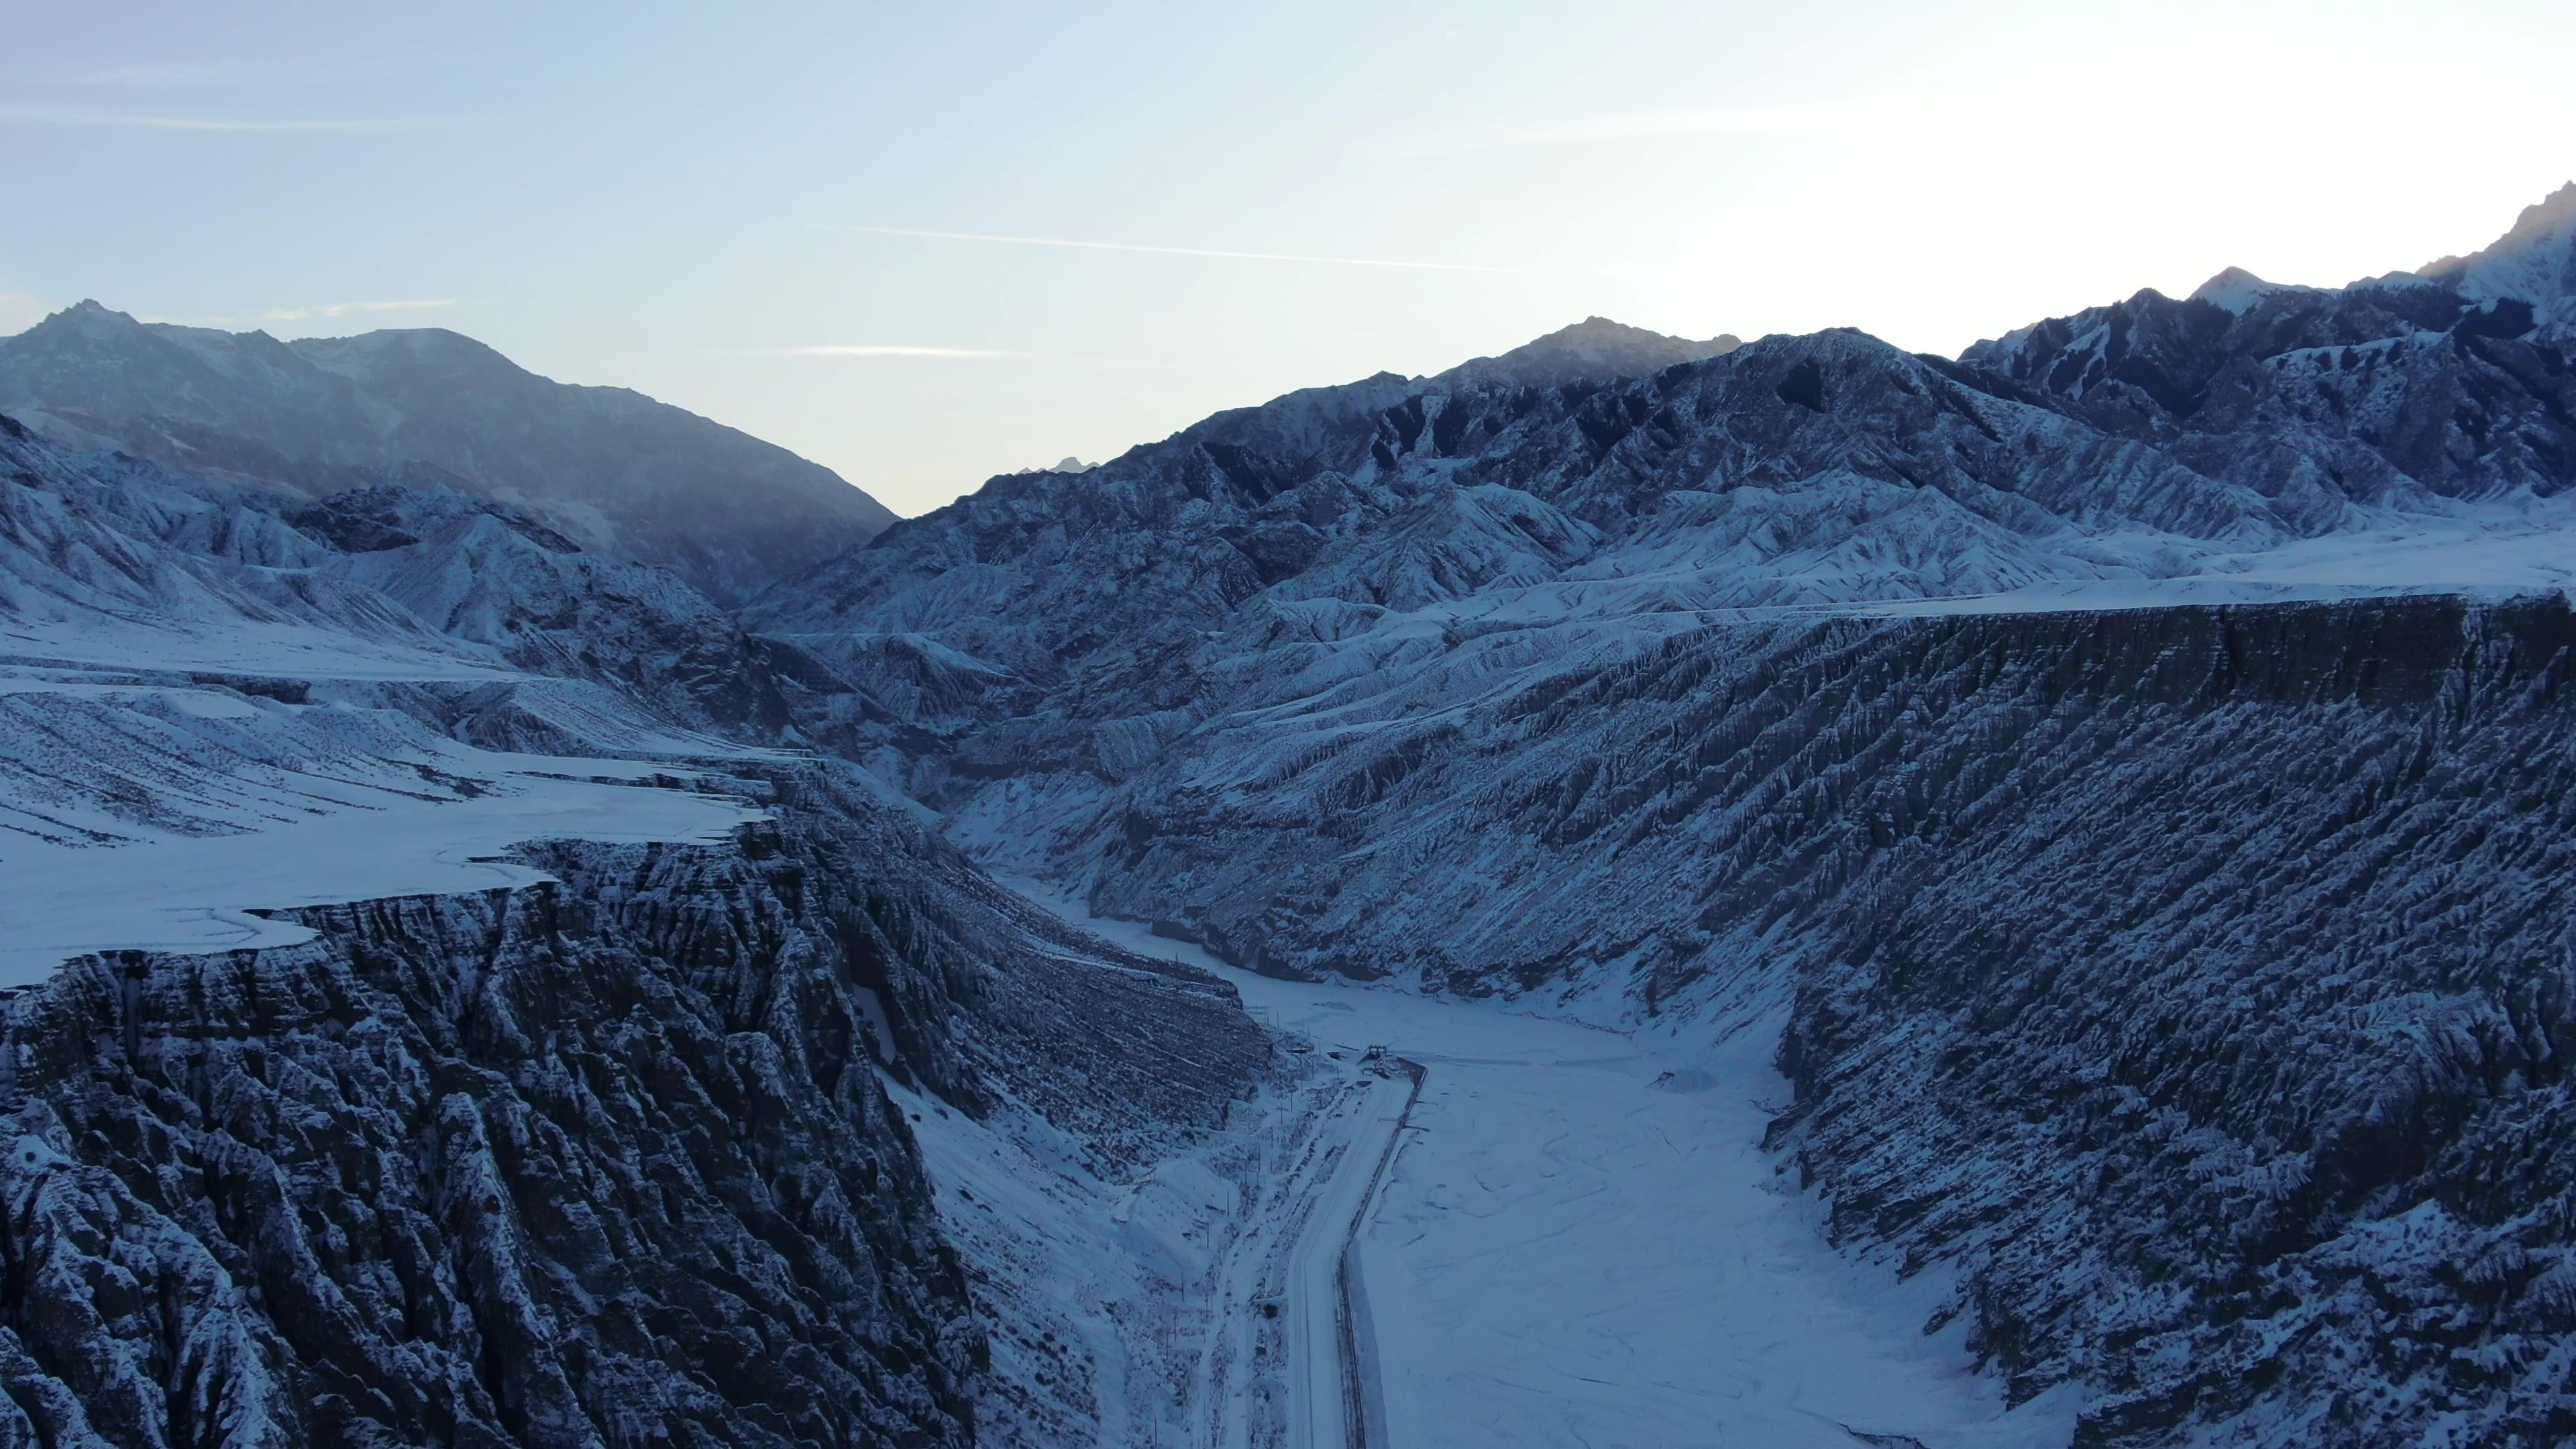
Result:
[
  {"x": 114, "y": 562},
  {"x": 428, "y": 408},
  {"x": 2252, "y": 442},
  {"x": 2396, "y": 392},
  {"x": 2535, "y": 263},
  {"x": 1595, "y": 347},
  {"x": 1778, "y": 688}
]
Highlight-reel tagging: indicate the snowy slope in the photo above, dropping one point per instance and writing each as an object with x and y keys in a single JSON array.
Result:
[
  {"x": 214, "y": 701},
  {"x": 110, "y": 562},
  {"x": 2534, "y": 263},
  {"x": 618, "y": 1150}
]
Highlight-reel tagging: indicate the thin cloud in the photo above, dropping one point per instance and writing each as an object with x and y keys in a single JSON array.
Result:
[
  {"x": 159, "y": 76},
  {"x": 893, "y": 349},
  {"x": 1647, "y": 125},
  {"x": 1098, "y": 246},
  {"x": 133, "y": 121},
  {"x": 333, "y": 309}
]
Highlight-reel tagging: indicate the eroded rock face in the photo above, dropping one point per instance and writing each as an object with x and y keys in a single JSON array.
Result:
[
  {"x": 2196, "y": 981},
  {"x": 601, "y": 1162},
  {"x": 2232, "y": 1065},
  {"x": 2383, "y": 393}
]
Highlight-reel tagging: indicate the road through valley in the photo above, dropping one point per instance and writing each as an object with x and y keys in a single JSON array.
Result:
[{"x": 1577, "y": 1241}]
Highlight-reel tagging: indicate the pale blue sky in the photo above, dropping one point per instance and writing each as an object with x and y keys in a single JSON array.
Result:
[{"x": 721, "y": 208}]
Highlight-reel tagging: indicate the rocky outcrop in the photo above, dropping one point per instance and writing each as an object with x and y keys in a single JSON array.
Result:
[
  {"x": 489, "y": 574},
  {"x": 604, "y": 1161}
]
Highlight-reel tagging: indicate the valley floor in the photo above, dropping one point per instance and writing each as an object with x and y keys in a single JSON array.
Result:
[{"x": 1580, "y": 1242}]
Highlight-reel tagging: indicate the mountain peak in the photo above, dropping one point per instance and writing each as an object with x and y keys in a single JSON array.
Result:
[
  {"x": 2535, "y": 261},
  {"x": 85, "y": 318},
  {"x": 2237, "y": 290},
  {"x": 1596, "y": 347},
  {"x": 1071, "y": 464},
  {"x": 2543, "y": 221},
  {"x": 416, "y": 352}
]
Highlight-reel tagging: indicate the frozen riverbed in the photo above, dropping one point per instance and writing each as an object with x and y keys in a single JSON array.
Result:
[{"x": 1581, "y": 1243}]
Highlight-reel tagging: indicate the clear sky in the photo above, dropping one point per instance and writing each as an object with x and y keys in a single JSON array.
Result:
[{"x": 780, "y": 216}]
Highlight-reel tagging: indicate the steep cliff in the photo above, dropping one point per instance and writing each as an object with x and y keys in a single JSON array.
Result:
[{"x": 601, "y": 1161}]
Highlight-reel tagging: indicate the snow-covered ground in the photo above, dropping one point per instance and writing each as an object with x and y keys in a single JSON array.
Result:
[
  {"x": 2496, "y": 549},
  {"x": 289, "y": 650},
  {"x": 1580, "y": 1243},
  {"x": 1194, "y": 1303},
  {"x": 1051, "y": 1270},
  {"x": 2493, "y": 552},
  {"x": 157, "y": 815},
  {"x": 195, "y": 893}
]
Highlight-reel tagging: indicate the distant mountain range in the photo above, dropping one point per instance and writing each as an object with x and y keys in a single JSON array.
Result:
[
  {"x": 427, "y": 408},
  {"x": 1604, "y": 471}
]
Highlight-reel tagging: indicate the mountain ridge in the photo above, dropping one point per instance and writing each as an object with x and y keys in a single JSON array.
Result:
[
  {"x": 427, "y": 407},
  {"x": 1595, "y": 347}
]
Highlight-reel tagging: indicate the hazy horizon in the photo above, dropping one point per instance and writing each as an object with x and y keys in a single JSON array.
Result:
[{"x": 923, "y": 249}]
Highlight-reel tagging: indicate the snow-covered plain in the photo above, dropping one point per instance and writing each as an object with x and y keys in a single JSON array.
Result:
[
  {"x": 198, "y": 893},
  {"x": 1581, "y": 1242},
  {"x": 159, "y": 816}
]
